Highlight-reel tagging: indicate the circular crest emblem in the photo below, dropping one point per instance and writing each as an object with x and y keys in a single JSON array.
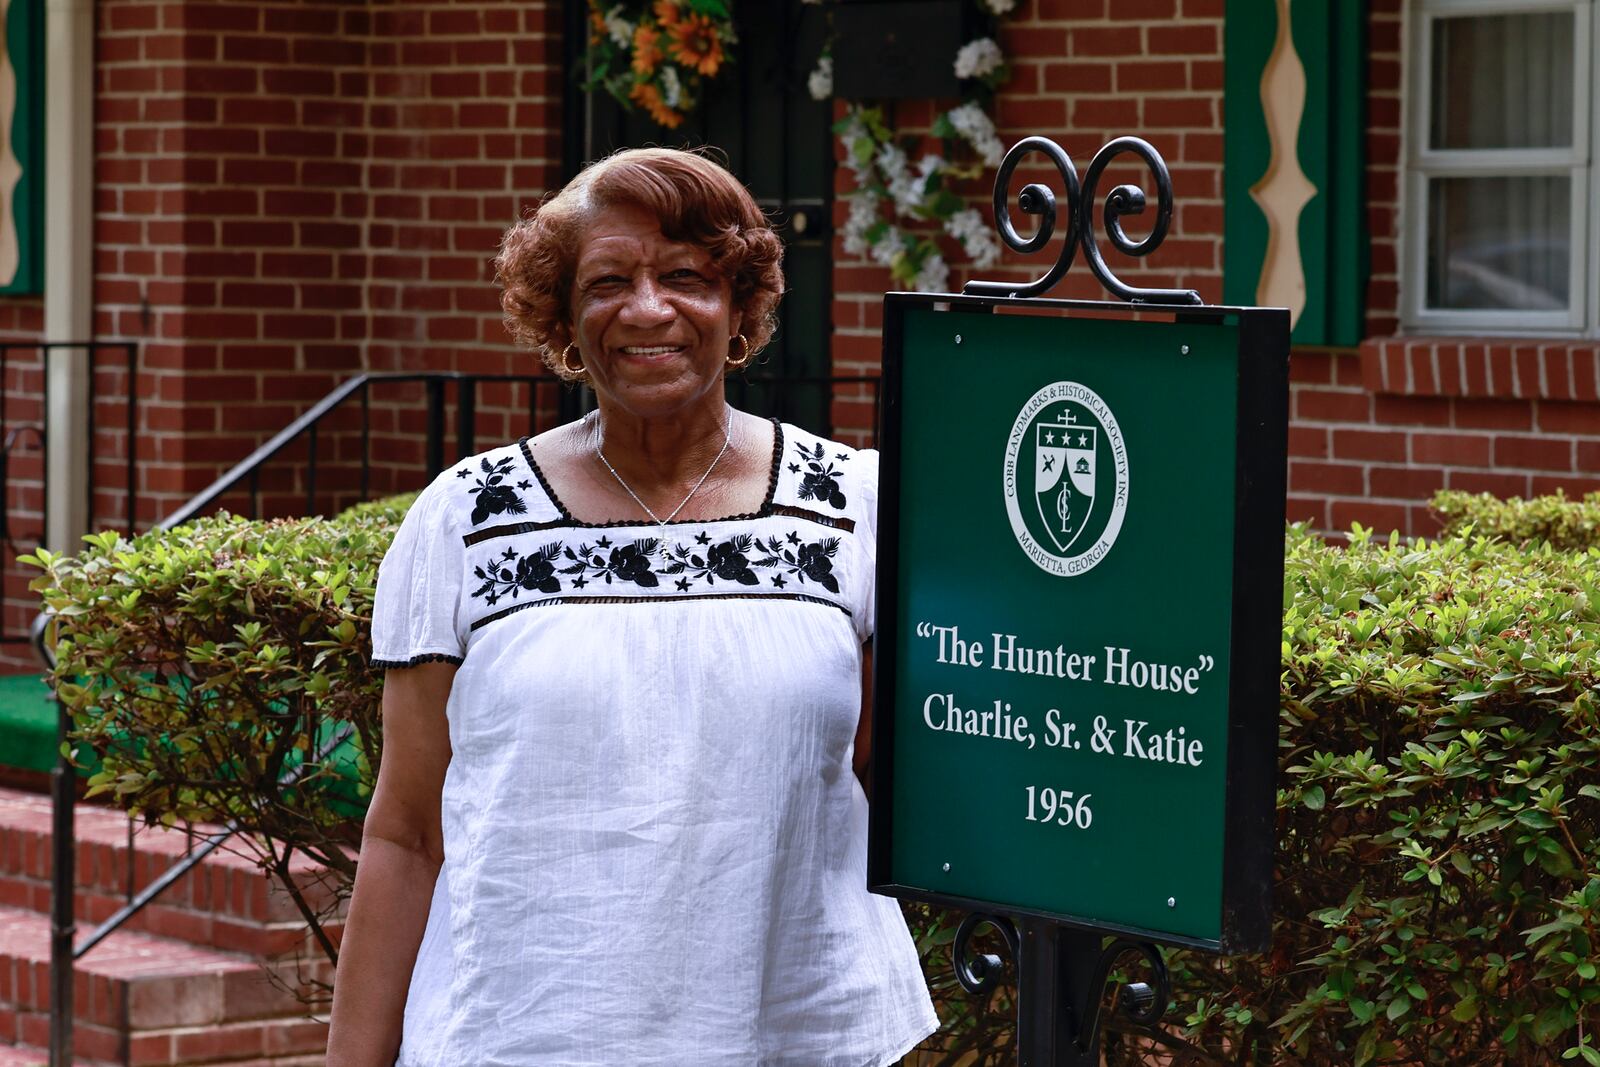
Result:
[{"x": 1066, "y": 478}]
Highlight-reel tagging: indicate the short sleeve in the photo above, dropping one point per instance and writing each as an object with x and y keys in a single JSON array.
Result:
[
  {"x": 416, "y": 615},
  {"x": 867, "y": 536}
]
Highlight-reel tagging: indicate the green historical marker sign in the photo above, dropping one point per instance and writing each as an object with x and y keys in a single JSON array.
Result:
[{"x": 1080, "y": 585}]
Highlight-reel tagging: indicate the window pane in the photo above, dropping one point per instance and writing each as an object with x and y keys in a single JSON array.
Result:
[
  {"x": 1499, "y": 243},
  {"x": 1502, "y": 81}
]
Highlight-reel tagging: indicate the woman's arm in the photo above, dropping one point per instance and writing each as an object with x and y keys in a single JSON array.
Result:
[{"x": 402, "y": 849}]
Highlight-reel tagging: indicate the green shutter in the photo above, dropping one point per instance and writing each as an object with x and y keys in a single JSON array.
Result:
[
  {"x": 1329, "y": 36},
  {"x": 23, "y": 216}
]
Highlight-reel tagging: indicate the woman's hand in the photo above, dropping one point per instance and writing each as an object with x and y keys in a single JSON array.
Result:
[{"x": 402, "y": 848}]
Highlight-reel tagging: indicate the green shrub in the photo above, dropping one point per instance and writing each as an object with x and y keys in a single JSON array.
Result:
[
  {"x": 204, "y": 663},
  {"x": 1438, "y": 873},
  {"x": 1565, "y": 524},
  {"x": 391, "y": 508}
]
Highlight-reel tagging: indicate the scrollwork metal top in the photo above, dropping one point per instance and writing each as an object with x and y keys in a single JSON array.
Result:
[{"x": 1124, "y": 200}]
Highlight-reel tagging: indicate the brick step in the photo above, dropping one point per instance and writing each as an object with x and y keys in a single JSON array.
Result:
[
  {"x": 152, "y": 1001},
  {"x": 27, "y": 1056},
  {"x": 226, "y": 902}
]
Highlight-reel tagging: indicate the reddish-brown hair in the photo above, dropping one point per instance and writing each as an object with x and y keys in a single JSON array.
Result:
[{"x": 697, "y": 201}]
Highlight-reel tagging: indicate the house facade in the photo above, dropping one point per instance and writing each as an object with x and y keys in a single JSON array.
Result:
[{"x": 284, "y": 193}]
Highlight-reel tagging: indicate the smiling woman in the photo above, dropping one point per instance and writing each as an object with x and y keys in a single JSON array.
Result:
[{"x": 623, "y": 827}]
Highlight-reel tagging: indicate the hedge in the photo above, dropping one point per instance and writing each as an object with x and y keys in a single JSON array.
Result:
[
  {"x": 1564, "y": 524},
  {"x": 1438, "y": 867},
  {"x": 1438, "y": 872},
  {"x": 205, "y": 663}
]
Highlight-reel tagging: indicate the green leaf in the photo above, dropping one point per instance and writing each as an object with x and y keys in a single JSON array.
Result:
[
  {"x": 1538, "y": 820},
  {"x": 1398, "y": 1007}
]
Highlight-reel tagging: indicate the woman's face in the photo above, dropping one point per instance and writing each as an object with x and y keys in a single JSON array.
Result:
[{"x": 652, "y": 317}]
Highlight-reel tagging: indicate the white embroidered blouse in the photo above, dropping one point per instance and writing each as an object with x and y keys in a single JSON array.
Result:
[{"x": 655, "y": 847}]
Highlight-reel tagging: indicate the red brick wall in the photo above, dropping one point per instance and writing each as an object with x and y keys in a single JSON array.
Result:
[
  {"x": 290, "y": 192},
  {"x": 1376, "y": 431}
]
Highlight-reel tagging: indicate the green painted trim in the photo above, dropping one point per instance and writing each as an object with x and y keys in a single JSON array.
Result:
[
  {"x": 1249, "y": 29},
  {"x": 1330, "y": 39},
  {"x": 25, "y": 46},
  {"x": 1350, "y": 249},
  {"x": 1308, "y": 25}
]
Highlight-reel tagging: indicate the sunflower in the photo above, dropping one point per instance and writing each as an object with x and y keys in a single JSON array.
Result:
[
  {"x": 695, "y": 44},
  {"x": 647, "y": 96},
  {"x": 666, "y": 13},
  {"x": 646, "y": 49}
]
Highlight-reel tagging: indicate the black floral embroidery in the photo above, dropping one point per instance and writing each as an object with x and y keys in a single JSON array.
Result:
[
  {"x": 624, "y": 563},
  {"x": 729, "y": 560},
  {"x": 821, "y": 481},
  {"x": 807, "y": 562},
  {"x": 494, "y": 498},
  {"x": 509, "y": 574}
]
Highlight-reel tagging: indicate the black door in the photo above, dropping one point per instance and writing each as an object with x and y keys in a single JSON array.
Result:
[{"x": 778, "y": 141}]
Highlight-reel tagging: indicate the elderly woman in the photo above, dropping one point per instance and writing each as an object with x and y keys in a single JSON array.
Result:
[{"x": 616, "y": 821}]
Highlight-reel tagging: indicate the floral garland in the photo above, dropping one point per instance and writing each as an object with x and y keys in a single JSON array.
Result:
[
  {"x": 891, "y": 189},
  {"x": 656, "y": 54}
]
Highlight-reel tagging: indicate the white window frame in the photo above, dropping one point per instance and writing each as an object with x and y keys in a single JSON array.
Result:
[{"x": 1421, "y": 163}]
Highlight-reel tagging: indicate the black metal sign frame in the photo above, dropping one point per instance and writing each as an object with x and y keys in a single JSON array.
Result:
[{"x": 1061, "y": 960}]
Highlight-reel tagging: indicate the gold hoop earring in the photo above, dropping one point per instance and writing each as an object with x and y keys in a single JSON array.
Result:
[
  {"x": 576, "y": 373},
  {"x": 744, "y": 359}
]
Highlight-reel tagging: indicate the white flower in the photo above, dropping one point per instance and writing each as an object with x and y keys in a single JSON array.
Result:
[
  {"x": 977, "y": 58},
  {"x": 888, "y": 248},
  {"x": 620, "y": 29},
  {"x": 929, "y": 165},
  {"x": 820, "y": 84},
  {"x": 975, "y": 235},
  {"x": 892, "y": 161},
  {"x": 905, "y": 189},
  {"x": 671, "y": 87},
  {"x": 863, "y": 215},
  {"x": 933, "y": 276},
  {"x": 971, "y": 123},
  {"x": 999, "y": 7},
  {"x": 858, "y": 143}
]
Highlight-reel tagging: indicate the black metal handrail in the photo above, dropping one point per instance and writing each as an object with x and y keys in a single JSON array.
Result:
[
  {"x": 248, "y": 470},
  {"x": 13, "y": 437}
]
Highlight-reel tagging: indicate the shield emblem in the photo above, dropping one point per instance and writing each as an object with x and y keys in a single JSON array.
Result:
[{"x": 1064, "y": 466}]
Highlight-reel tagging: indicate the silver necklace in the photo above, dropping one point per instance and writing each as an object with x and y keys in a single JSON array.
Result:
[{"x": 597, "y": 438}]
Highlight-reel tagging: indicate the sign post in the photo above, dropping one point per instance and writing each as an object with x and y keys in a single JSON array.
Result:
[{"x": 1079, "y": 616}]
